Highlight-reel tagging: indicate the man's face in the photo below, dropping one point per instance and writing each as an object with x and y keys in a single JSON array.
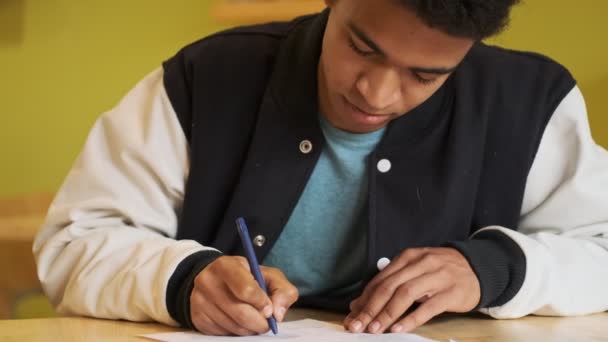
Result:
[{"x": 379, "y": 61}]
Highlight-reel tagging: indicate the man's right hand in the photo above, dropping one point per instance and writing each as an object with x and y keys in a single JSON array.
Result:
[{"x": 227, "y": 300}]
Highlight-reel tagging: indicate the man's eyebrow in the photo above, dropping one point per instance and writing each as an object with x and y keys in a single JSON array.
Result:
[
  {"x": 372, "y": 45},
  {"x": 364, "y": 38},
  {"x": 438, "y": 71}
]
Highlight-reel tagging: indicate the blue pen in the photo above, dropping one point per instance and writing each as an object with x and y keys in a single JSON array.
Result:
[{"x": 241, "y": 227}]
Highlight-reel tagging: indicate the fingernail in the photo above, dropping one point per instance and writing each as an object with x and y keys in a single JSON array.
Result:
[
  {"x": 374, "y": 327},
  {"x": 356, "y": 325},
  {"x": 281, "y": 313},
  {"x": 397, "y": 328},
  {"x": 267, "y": 311}
]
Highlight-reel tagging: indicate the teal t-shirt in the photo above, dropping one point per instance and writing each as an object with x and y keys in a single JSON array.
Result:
[{"x": 322, "y": 248}]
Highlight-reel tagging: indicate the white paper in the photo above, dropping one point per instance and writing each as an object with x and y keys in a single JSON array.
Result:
[{"x": 296, "y": 331}]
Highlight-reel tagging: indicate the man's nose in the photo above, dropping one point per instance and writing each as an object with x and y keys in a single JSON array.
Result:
[{"x": 380, "y": 87}]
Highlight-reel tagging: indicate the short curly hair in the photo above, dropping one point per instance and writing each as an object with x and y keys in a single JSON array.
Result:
[{"x": 475, "y": 19}]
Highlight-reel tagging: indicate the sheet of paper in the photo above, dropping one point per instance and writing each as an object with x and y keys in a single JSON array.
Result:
[{"x": 295, "y": 331}]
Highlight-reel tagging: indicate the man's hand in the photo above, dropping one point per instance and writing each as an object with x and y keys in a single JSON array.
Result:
[
  {"x": 440, "y": 278},
  {"x": 226, "y": 299}
]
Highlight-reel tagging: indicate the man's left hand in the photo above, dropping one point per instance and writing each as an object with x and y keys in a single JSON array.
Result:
[{"x": 439, "y": 278}]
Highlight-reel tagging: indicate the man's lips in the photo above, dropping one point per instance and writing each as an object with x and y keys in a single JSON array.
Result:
[
  {"x": 362, "y": 111},
  {"x": 362, "y": 117}
]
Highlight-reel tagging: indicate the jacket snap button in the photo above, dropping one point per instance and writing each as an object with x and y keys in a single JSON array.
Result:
[
  {"x": 305, "y": 146},
  {"x": 259, "y": 240},
  {"x": 382, "y": 263},
  {"x": 384, "y": 165}
]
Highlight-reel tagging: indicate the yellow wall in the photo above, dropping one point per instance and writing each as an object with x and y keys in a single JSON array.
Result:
[
  {"x": 64, "y": 62},
  {"x": 574, "y": 34}
]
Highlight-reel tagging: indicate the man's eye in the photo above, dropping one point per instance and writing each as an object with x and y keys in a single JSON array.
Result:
[
  {"x": 357, "y": 50},
  {"x": 423, "y": 80}
]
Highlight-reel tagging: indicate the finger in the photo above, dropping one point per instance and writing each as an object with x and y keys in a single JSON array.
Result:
[
  {"x": 247, "y": 316},
  {"x": 244, "y": 287},
  {"x": 354, "y": 307},
  {"x": 423, "y": 299},
  {"x": 282, "y": 293},
  {"x": 224, "y": 321},
  {"x": 244, "y": 318},
  {"x": 356, "y": 304},
  {"x": 425, "y": 285},
  {"x": 201, "y": 320},
  {"x": 429, "y": 309},
  {"x": 406, "y": 258},
  {"x": 207, "y": 326},
  {"x": 212, "y": 290},
  {"x": 374, "y": 303},
  {"x": 243, "y": 261}
]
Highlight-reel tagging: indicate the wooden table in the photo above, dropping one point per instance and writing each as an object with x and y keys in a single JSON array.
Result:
[{"x": 459, "y": 328}]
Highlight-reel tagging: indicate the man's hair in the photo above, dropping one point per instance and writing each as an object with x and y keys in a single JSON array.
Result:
[{"x": 475, "y": 19}]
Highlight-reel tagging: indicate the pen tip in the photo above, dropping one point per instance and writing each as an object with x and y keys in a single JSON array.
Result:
[{"x": 273, "y": 326}]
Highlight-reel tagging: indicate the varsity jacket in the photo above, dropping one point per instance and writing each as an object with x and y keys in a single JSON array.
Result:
[{"x": 498, "y": 163}]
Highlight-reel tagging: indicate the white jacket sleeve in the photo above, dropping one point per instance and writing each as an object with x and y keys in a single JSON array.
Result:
[
  {"x": 563, "y": 231},
  {"x": 107, "y": 248}
]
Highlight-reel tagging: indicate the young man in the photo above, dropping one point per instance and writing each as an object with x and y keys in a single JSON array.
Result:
[{"x": 377, "y": 130}]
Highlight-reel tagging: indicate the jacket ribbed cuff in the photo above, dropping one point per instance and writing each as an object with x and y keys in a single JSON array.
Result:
[
  {"x": 181, "y": 284},
  {"x": 498, "y": 262}
]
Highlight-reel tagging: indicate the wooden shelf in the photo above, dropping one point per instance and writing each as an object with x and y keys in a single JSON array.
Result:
[
  {"x": 21, "y": 216},
  {"x": 257, "y": 11}
]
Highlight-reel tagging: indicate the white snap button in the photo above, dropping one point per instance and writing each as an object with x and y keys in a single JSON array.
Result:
[
  {"x": 382, "y": 263},
  {"x": 305, "y": 146},
  {"x": 384, "y": 165},
  {"x": 259, "y": 240}
]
